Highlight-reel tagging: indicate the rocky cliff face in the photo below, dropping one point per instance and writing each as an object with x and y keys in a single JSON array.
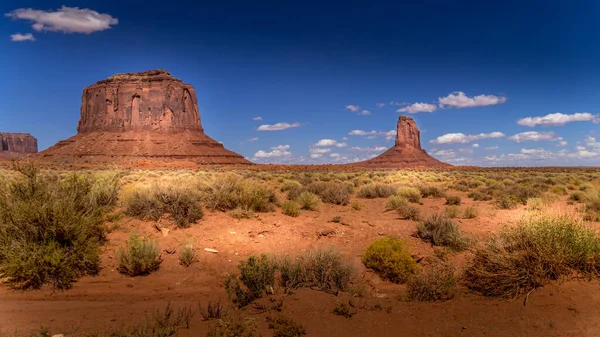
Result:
[
  {"x": 406, "y": 152},
  {"x": 147, "y": 115},
  {"x": 18, "y": 143},
  {"x": 147, "y": 101},
  {"x": 408, "y": 133}
]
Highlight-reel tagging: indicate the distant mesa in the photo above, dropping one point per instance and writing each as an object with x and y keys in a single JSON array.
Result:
[
  {"x": 146, "y": 115},
  {"x": 406, "y": 152},
  {"x": 17, "y": 144}
]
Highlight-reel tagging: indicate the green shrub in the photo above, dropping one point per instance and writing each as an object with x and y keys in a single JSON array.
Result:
[
  {"x": 183, "y": 203},
  {"x": 373, "y": 191},
  {"x": 470, "y": 212},
  {"x": 410, "y": 193},
  {"x": 257, "y": 276},
  {"x": 331, "y": 192},
  {"x": 309, "y": 201},
  {"x": 139, "y": 257},
  {"x": 428, "y": 191},
  {"x": 507, "y": 202},
  {"x": 479, "y": 196},
  {"x": 50, "y": 229},
  {"x": 441, "y": 231},
  {"x": 539, "y": 249},
  {"x": 289, "y": 185},
  {"x": 285, "y": 327},
  {"x": 409, "y": 212},
  {"x": 390, "y": 258},
  {"x": 290, "y": 208},
  {"x": 436, "y": 285},
  {"x": 452, "y": 211},
  {"x": 453, "y": 200},
  {"x": 188, "y": 255},
  {"x": 394, "y": 202}
]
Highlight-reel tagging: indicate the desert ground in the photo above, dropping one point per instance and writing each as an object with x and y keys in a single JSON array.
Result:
[{"x": 292, "y": 251}]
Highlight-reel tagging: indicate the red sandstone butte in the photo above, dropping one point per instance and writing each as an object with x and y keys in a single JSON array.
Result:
[
  {"x": 407, "y": 151},
  {"x": 147, "y": 115},
  {"x": 17, "y": 143}
]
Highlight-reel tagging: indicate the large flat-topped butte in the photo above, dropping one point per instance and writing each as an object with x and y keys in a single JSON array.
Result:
[{"x": 146, "y": 115}]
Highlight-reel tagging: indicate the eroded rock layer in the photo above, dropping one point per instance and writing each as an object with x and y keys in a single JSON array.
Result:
[
  {"x": 406, "y": 152},
  {"x": 150, "y": 115},
  {"x": 18, "y": 143}
]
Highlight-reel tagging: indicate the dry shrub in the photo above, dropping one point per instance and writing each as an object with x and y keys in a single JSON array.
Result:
[
  {"x": 410, "y": 193},
  {"x": 441, "y": 231},
  {"x": 139, "y": 257},
  {"x": 309, "y": 201},
  {"x": 234, "y": 326},
  {"x": 389, "y": 257},
  {"x": 439, "y": 284},
  {"x": 471, "y": 212},
  {"x": 394, "y": 202},
  {"x": 188, "y": 255},
  {"x": 290, "y": 208},
  {"x": 285, "y": 327},
  {"x": 428, "y": 191},
  {"x": 373, "y": 191},
  {"x": 229, "y": 191},
  {"x": 452, "y": 211},
  {"x": 453, "y": 200},
  {"x": 539, "y": 249},
  {"x": 331, "y": 192},
  {"x": 592, "y": 207},
  {"x": 409, "y": 212}
]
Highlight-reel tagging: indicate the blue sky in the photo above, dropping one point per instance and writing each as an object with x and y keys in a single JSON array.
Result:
[{"x": 518, "y": 80}]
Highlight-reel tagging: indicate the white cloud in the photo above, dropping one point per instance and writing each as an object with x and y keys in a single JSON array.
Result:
[
  {"x": 591, "y": 142},
  {"x": 361, "y": 133},
  {"x": 344, "y": 138},
  {"x": 318, "y": 153},
  {"x": 380, "y": 105},
  {"x": 257, "y": 118},
  {"x": 276, "y": 152},
  {"x": 445, "y": 153},
  {"x": 562, "y": 143},
  {"x": 353, "y": 108},
  {"x": 368, "y": 149},
  {"x": 418, "y": 107},
  {"x": 330, "y": 142},
  {"x": 22, "y": 37},
  {"x": 557, "y": 119},
  {"x": 335, "y": 155},
  {"x": 278, "y": 126},
  {"x": 475, "y": 145},
  {"x": 365, "y": 112},
  {"x": 458, "y": 99},
  {"x": 460, "y": 138},
  {"x": 66, "y": 19},
  {"x": 534, "y": 136},
  {"x": 491, "y": 148},
  {"x": 253, "y": 139}
]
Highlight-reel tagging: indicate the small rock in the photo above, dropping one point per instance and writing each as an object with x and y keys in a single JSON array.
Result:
[
  {"x": 261, "y": 236},
  {"x": 170, "y": 250},
  {"x": 61, "y": 335},
  {"x": 380, "y": 233},
  {"x": 232, "y": 233},
  {"x": 325, "y": 232},
  {"x": 164, "y": 231},
  {"x": 210, "y": 250}
]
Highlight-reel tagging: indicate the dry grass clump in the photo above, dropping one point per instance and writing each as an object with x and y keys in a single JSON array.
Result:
[
  {"x": 592, "y": 207},
  {"x": 285, "y": 327},
  {"x": 357, "y": 205},
  {"x": 539, "y": 249},
  {"x": 234, "y": 326},
  {"x": 389, "y": 257},
  {"x": 139, "y": 257},
  {"x": 188, "y": 255},
  {"x": 409, "y": 212},
  {"x": 309, "y": 201},
  {"x": 439, "y": 284},
  {"x": 240, "y": 213},
  {"x": 430, "y": 191},
  {"x": 452, "y": 211},
  {"x": 51, "y": 228},
  {"x": 372, "y": 191},
  {"x": 229, "y": 191},
  {"x": 470, "y": 213},
  {"x": 453, "y": 200},
  {"x": 576, "y": 196},
  {"x": 410, "y": 193},
  {"x": 535, "y": 204},
  {"x": 441, "y": 231},
  {"x": 150, "y": 202}
]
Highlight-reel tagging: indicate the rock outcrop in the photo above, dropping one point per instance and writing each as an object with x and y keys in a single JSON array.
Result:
[
  {"x": 18, "y": 143},
  {"x": 406, "y": 152},
  {"x": 147, "y": 115}
]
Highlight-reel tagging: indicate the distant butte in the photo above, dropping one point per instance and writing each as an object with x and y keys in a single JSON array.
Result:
[
  {"x": 146, "y": 115},
  {"x": 406, "y": 152},
  {"x": 16, "y": 144}
]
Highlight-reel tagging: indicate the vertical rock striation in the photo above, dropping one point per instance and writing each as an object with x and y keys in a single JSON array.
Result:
[
  {"x": 18, "y": 143},
  {"x": 146, "y": 115},
  {"x": 406, "y": 152}
]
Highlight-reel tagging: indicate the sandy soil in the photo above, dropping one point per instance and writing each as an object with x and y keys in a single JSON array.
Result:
[{"x": 114, "y": 300}]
